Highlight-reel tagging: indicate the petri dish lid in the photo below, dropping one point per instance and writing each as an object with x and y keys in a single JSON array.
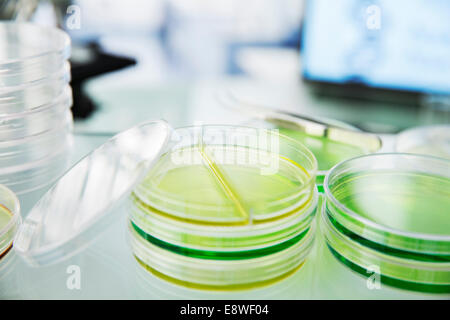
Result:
[
  {"x": 80, "y": 205},
  {"x": 30, "y": 50},
  {"x": 431, "y": 140}
]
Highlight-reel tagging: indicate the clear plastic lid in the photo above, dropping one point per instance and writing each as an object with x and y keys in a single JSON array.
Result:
[
  {"x": 30, "y": 122},
  {"x": 22, "y": 153},
  {"x": 23, "y": 85},
  {"x": 80, "y": 204},
  {"x": 30, "y": 52}
]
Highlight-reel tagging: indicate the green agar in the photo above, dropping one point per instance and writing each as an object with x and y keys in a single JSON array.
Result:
[
  {"x": 390, "y": 281},
  {"x": 205, "y": 190},
  {"x": 219, "y": 255},
  {"x": 327, "y": 152},
  {"x": 411, "y": 202}
]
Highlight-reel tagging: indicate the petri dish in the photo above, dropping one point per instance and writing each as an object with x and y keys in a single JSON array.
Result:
[
  {"x": 75, "y": 209},
  {"x": 30, "y": 52},
  {"x": 35, "y": 100},
  {"x": 21, "y": 153},
  {"x": 391, "y": 211},
  {"x": 327, "y": 152},
  {"x": 30, "y": 122},
  {"x": 225, "y": 208},
  {"x": 40, "y": 173},
  {"x": 9, "y": 219},
  {"x": 429, "y": 140}
]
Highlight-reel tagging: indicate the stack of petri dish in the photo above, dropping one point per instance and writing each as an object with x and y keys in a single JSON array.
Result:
[
  {"x": 389, "y": 214},
  {"x": 225, "y": 208},
  {"x": 35, "y": 101}
]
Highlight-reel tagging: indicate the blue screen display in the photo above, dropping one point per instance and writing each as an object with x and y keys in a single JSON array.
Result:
[{"x": 399, "y": 45}]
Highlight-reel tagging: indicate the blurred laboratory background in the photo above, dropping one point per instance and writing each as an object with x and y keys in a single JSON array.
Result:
[{"x": 381, "y": 66}]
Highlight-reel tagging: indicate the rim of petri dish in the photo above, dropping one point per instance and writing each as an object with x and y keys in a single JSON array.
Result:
[
  {"x": 63, "y": 101},
  {"x": 199, "y": 272},
  {"x": 13, "y": 206},
  {"x": 62, "y": 75},
  {"x": 320, "y": 175},
  {"x": 40, "y": 173},
  {"x": 373, "y": 230},
  {"x": 59, "y": 39},
  {"x": 310, "y": 171},
  {"x": 231, "y": 239},
  {"x": 64, "y": 126},
  {"x": 428, "y": 277}
]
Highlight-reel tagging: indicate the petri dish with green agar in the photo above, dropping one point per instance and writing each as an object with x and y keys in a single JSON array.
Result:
[
  {"x": 328, "y": 152},
  {"x": 391, "y": 211},
  {"x": 9, "y": 219},
  {"x": 225, "y": 207},
  {"x": 331, "y": 141}
]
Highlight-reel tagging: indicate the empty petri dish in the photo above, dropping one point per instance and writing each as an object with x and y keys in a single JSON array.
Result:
[
  {"x": 225, "y": 208},
  {"x": 30, "y": 122},
  {"x": 429, "y": 140},
  {"x": 21, "y": 153},
  {"x": 30, "y": 52},
  {"x": 391, "y": 211},
  {"x": 9, "y": 219}
]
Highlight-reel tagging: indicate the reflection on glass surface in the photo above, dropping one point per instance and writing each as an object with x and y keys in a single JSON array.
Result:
[{"x": 297, "y": 286}]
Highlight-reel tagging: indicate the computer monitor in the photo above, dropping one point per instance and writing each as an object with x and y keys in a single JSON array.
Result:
[{"x": 400, "y": 46}]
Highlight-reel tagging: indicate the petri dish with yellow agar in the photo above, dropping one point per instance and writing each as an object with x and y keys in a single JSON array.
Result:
[
  {"x": 9, "y": 219},
  {"x": 391, "y": 211},
  {"x": 225, "y": 208}
]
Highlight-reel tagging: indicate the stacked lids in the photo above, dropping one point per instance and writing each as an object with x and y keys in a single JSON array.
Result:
[{"x": 35, "y": 100}]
